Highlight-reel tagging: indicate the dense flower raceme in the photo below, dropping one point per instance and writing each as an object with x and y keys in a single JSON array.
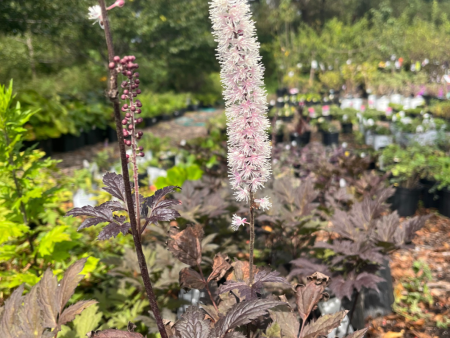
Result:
[{"x": 242, "y": 78}]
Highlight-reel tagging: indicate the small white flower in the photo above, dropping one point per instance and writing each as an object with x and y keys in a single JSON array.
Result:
[
  {"x": 363, "y": 155},
  {"x": 394, "y": 118},
  {"x": 95, "y": 13},
  {"x": 344, "y": 145},
  {"x": 288, "y": 147},
  {"x": 294, "y": 143},
  {"x": 237, "y": 222},
  {"x": 182, "y": 143},
  {"x": 426, "y": 116},
  {"x": 342, "y": 183},
  {"x": 419, "y": 129},
  {"x": 402, "y": 114},
  {"x": 345, "y": 117},
  {"x": 264, "y": 203},
  {"x": 370, "y": 122},
  {"x": 320, "y": 119},
  {"x": 291, "y": 74}
]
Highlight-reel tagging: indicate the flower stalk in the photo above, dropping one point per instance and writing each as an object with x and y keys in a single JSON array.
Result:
[{"x": 113, "y": 96}]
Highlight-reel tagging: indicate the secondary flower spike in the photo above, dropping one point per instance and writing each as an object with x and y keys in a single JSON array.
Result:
[{"x": 245, "y": 97}]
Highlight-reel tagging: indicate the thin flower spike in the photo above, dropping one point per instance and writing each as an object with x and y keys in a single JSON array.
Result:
[
  {"x": 237, "y": 222},
  {"x": 245, "y": 98},
  {"x": 264, "y": 203}
]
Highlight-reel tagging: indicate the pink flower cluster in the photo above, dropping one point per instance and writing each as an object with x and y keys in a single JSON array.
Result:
[{"x": 245, "y": 97}]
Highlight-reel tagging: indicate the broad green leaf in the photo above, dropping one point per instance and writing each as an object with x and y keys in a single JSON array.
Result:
[
  {"x": 56, "y": 235},
  {"x": 10, "y": 230}
]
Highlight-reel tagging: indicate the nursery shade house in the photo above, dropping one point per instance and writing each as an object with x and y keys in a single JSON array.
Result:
[{"x": 225, "y": 169}]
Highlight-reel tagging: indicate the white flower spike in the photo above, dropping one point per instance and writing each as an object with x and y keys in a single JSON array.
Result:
[{"x": 245, "y": 98}]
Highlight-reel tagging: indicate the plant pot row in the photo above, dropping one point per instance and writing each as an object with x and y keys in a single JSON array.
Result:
[
  {"x": 70, "y": 142},
  {"x": 406, "y": 200},
  {"x": 151, "y": 121}
]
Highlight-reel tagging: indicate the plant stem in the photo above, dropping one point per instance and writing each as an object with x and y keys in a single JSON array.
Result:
[
  {"x": 252, "y": 235},
  {"x": 352, "y": 311},
  {"x": 113, "y": 96},
  {"x": 207, "y": 288}
]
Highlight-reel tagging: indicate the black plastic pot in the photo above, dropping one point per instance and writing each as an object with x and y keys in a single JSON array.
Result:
[
  {"x": 111, "y": 134},
  {"x": 148, "y": 121},
  {"x": 429, "y": 199},
  {"x": 93, "y": 136},
  {"x": 286, "y": 118},
  {"x": 281, "y": 92},
  {"x": 406, "y": 200},
  {"x": 177, "y": 113},
  {"x": 279, "y": 138},
  {"x": 44, "y": 145},
  {"x": 444, "y": 202},
  {"x": 327, "y": 118},
  {"x": 346, "y": 128},
  {"x": 68, "y": 142},
  {"x": 166, "y": 117},
  {"x": 303, "y": 139},
  {"x": 329, "y": 138}
]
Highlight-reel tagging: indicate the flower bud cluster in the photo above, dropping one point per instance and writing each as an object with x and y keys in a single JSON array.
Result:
[{"x": 132, "y": 106}]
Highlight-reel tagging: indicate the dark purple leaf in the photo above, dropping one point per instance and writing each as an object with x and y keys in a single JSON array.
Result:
[
  {"x": 304, "y": 267},
  {"x": 193, "y": 324},
  {"x": 113, "y": 229},
  {"x": 250, "y": 292},
  {"x": 307, "y": 296},
  {"x": 114, "y": 185},
  {"x": 101, "y": 214},
  {"x": 157, "y": 209},
  {"x": 242, "y": 313},
  {"x": 114, "y": 206},
  {"x": 344, "y": 287}
]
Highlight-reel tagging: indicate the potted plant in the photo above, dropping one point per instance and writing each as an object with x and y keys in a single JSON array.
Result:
[
  {"x": 381, "y": 136},
  {"x": 302, "y": 134},
  {"x": 406, "y": 166},
  {"x": 442, "y": 177},
  {"x": 330, "y": 133},
  {"x": 347, "y": 117}
]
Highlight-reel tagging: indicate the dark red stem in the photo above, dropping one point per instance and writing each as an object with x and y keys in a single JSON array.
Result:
[{"x": 113, "y": 96}]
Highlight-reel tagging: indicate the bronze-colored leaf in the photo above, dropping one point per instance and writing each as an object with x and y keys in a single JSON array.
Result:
[
  {"x": 211, "y": 312},
  {"x": 241, "y": 271},
  {"x": 307, "y": 296},
  {"x": 12, "y": 305},
  {"x": 186, "y": 244},
  {"x": 221, "y": 266},
  {"x": 323, "y": 325},
  {"x": 67, "y": 285},
  {"x": 357, "y": 334},
  {"x": 69, "y": 314},
  {"x": 170, "y": 330},
  {"x": 112, "y": 333},
  {"x": 47, "y": 299},
  {"x": 319, "y": 279},
  {"x": 191, "y": 279},
  {"x": 287, "y": 322},
  {"x": 30, "y": 315}
]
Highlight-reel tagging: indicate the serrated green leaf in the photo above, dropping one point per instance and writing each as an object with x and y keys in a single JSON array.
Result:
[
  {"x": 89, "y": 320},
  {"x": 56, "y": 235}
]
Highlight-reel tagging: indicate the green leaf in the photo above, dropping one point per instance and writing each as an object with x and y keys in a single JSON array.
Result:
[
  {"x": 89, "y": 320},
  {"x": 56, "y": 235},
  {"x": 18, "y": 278},
  {"x": 91, "y": 265},
  {"x": 10, "y": 230}
]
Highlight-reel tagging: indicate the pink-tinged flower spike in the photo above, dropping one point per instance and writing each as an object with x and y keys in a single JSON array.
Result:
[
  {"x": 95, "y": 13},
  {"x": 237, "y": 222},
  {"x": 246, "y": 107},
  {"x": 264, "y": 203}
]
